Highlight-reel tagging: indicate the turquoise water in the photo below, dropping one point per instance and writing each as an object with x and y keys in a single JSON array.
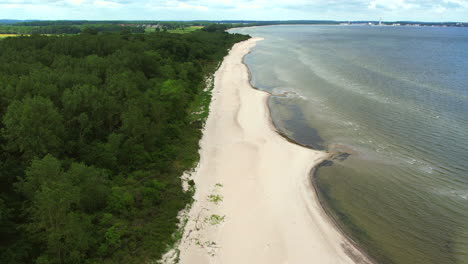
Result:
[{"x": 396, "y": 99}]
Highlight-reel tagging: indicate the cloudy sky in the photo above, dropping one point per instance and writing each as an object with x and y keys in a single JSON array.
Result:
[{"x": 421, "y": 10}]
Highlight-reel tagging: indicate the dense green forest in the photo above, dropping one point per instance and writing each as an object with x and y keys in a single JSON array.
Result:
[
  {"x": 67, "y": 29},
  {"x": 95, "y": 132}
]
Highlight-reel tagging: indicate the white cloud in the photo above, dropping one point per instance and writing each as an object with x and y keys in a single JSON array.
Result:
[
  {"x": 392, "y": 4},
  {"x": 75, "y": 2},
  {"x": 195, "y": 7},
  {"x": 427, "y": 10},
  {"x": 104, "y": 4}
]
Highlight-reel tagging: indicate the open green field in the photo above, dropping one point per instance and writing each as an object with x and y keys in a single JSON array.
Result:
[
  {"x": 9, "y": 35},
  {"x": 185, "y": 30},
  {"x": 2, "y": 36}
]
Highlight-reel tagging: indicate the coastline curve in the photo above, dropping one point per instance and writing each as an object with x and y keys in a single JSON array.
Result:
[
  {"x": 255, "y": 201},
  {"x": 350, "y": 246}
]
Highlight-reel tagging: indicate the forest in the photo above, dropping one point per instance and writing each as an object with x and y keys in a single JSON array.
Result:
[
  {"x": 66, "y": 29},
  {"x": 75, "y": 27},
  {"x": 95, "y": 131}
]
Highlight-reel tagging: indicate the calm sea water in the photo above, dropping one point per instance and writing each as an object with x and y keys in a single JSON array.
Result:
[{"x": 396, "y": 99}]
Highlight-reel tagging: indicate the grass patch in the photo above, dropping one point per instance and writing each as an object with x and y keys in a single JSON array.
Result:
[
  {"x": 215, "y": 198},
  {"x": 214, "y": 219},
  {"x": 10, "y": 35},
  {"x": 185, "y": 30},
  {"x": 200, "y": 107}
]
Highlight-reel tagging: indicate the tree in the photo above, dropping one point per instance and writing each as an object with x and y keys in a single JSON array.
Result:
[
  {"x": 33, "y": 127},
  {"x": 174, "y": 94},
  {"x": 95, "y": 131},
  {"x": 215, "y": 28},
  {"x": 5, "y": 214},
  {"x": 55, "y": 197},
  {"x": 93, "y": 186},
  {"x": 90, "y": 31},
  {"x": 85, "y": 108}
]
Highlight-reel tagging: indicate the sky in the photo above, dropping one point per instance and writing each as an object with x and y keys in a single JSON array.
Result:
[{"x": 388, "y": 10}]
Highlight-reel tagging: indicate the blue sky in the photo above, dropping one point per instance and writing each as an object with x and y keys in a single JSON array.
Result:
[{"x": 421, "y": 10}]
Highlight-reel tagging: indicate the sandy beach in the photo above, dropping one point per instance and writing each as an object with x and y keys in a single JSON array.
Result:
[{"x": 254, "y": 202}]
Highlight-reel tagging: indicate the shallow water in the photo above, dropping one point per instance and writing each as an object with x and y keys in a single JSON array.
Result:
[{"x": 395, "y": 98}]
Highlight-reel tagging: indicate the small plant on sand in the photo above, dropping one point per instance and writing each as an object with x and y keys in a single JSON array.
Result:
[
  {"x": 218, "y": 185},
  {"x": 214, "y": 219},
  {"x": 197, "y": 242},
  {"x": 215, "y": 198},
  {"x": 210, "y": 244}
]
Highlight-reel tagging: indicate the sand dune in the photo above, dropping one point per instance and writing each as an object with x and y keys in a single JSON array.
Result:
[{"x": 254, "y": 200}]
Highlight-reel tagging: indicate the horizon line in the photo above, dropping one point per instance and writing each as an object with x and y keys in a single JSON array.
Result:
[{"x": 232, "y": 20}]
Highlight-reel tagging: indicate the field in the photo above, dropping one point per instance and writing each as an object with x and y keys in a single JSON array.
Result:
[
  {"x": 2, "y": 36},
  {"x": 185, "y": 30},
  {"x": 9, "y": 35}
]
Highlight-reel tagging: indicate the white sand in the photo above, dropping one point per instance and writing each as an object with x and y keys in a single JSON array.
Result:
[{"x": 267, "y": 210}]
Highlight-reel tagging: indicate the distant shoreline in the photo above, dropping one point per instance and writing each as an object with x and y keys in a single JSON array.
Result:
[{"x": 415, "y": 25}]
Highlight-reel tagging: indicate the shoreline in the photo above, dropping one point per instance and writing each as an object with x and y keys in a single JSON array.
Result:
[
  {"x": 285, "y": 25},
  {"x": 329, "y": 213},
  {"x": 255, "y": 200},
  {"x": 286, "y": 137},
  {"x": 327, "y": 160}
]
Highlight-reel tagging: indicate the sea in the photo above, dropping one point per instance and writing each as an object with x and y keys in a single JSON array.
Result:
[{"x": 395, "y": 100}]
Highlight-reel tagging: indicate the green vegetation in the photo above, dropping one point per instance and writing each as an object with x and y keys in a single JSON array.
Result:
[
  {"x": 95, "y": 132},
  {"x": 61, "y": 27},
  {"x": 215, "y": 198},
  {"x": 75, "y": 27},
  {"x": 8, "y": 35},
  {"x": 72, "y": 29},
  {"x": 214, "y": 219},
  {"x": 179, "y": 30},
  {"x": 185, "y": 30}
]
